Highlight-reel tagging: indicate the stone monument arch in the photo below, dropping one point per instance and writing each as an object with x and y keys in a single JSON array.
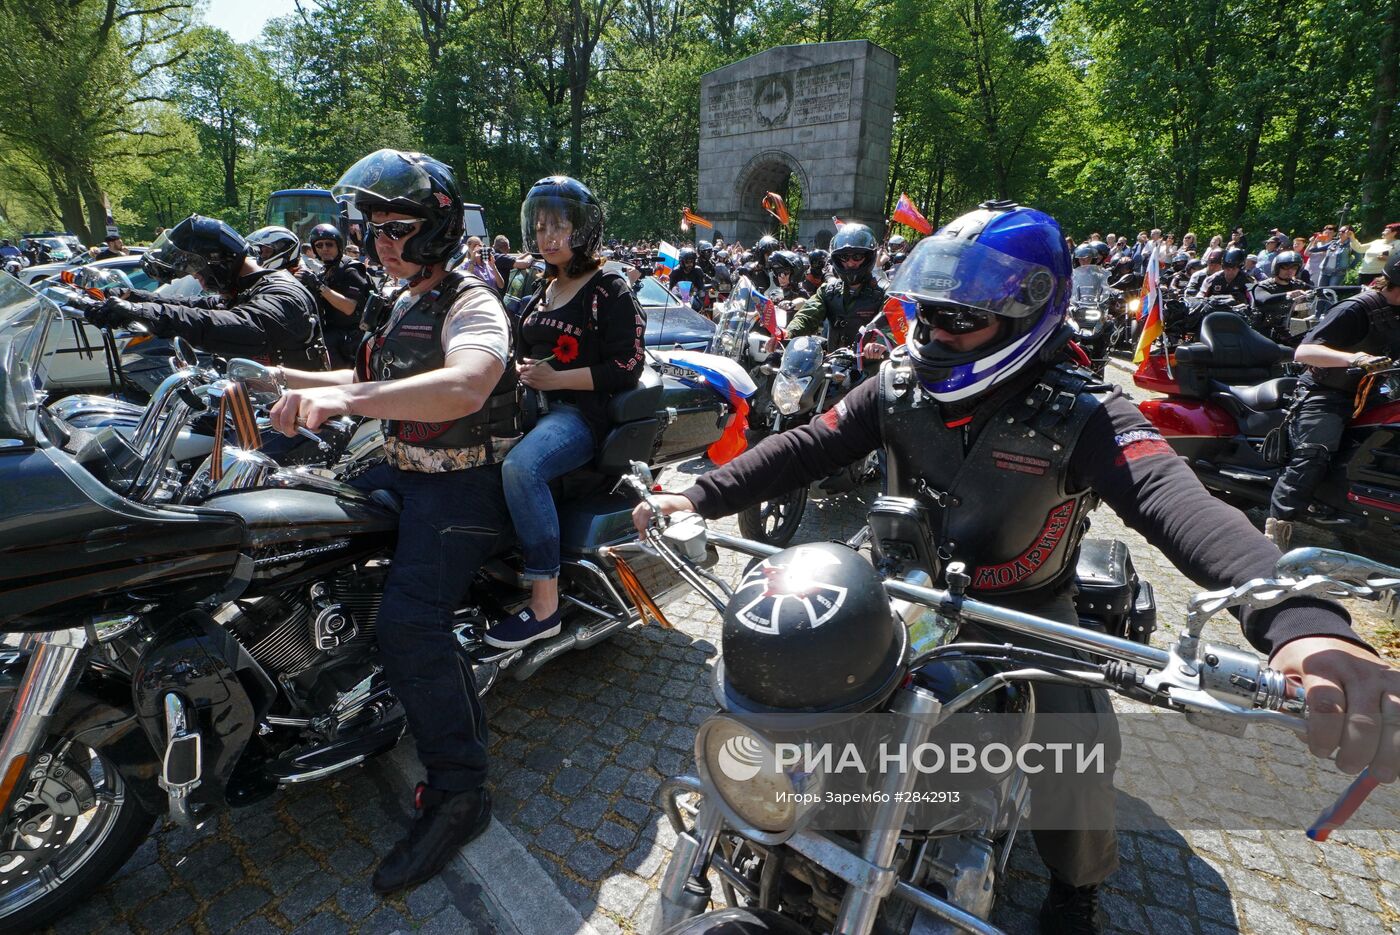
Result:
[{"x": 821, "y": 114}]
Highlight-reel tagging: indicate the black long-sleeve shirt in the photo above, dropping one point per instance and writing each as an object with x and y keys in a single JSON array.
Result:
[
  {"x": 273, "y": 317},
  {"x": 1119, "y": 456}
]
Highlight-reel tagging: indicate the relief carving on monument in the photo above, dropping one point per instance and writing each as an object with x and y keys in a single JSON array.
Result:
[{"x": 797, "y": 98}]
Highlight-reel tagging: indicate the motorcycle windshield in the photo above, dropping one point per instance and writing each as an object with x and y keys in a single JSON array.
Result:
[
  {"x": 1088, "y": 283},
  {"x": 105, "y": 279},
  {"x": 803, "y": 356},
  {"x": 25, "y": 319},
  {"x": 731, "y": 333}
]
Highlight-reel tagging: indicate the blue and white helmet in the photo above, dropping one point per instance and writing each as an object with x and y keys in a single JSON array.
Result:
[{"x": 1001, "y": 260}]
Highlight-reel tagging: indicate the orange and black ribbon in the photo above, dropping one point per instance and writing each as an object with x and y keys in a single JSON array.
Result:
[{"x": 646, "y": 607}]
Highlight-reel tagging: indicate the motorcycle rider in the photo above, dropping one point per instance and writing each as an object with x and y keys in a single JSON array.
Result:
[
  {"x": 1214, "y": 260},
  {"x": 951, "y": 412},
  {"x": 278, "y": 248},
  {"x": 765, "y": 247},
  {"x": 1358, "y": 334},
  {"x": 1285, "y": 279},
  {"x": 340, "y": 289},
  {"x": 1230, "y": 279},
  {"x": 688, "y": 270},
  {"x": 785, "y": 267},
  {"x": 1090, "y": 278},
  {"x": 851, "y": 300},
  {"x": 896, "y": 249},
  {"x": 253, "y": 312},
  {"x": 436, "y": 370},
  {"x": 113, "y": 247},
  {"x": 816, "y": 272}
]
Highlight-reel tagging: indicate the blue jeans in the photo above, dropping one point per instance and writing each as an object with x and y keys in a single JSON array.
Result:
[
  {"x": 447, "y": 528},
  {"x": 560, "y": 442}
]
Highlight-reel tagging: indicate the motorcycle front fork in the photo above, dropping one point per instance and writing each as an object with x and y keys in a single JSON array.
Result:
[{"x": 53, "y": 660}]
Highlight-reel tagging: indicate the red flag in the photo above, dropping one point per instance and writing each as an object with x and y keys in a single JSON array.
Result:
[
  {"x": 908, "y": 215},
  {"x": 768, "y": 315},
  {"x": 735, "y": 438},
  {"x": 899, "y": 311},
  {"x": 773, "y": 204}
]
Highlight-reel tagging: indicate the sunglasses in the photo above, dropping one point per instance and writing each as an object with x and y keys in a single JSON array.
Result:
[
  {"x": 394, "y": 230},
  {"x": 957, "y": 321}
]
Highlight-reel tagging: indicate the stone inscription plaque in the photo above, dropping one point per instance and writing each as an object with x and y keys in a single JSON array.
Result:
[{"x": 800, "y": 98}]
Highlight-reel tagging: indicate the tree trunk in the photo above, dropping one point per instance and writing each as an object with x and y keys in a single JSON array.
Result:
[
  {"x": 96, "y": 210},
  {"x": 1251, "y": 153},
  {"x": 230, "y": 160},
  {"x": 1383, "y": 100},
  {"x": 578, "y": 91},
  {"x": 1288, "y": 179}
]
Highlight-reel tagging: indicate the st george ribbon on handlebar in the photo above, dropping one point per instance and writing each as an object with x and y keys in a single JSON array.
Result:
[{"x": 1028, "y": 624}]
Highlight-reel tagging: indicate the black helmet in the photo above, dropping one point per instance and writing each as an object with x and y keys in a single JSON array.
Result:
[
  {"x": 809, "y": 629},
  {"x": 853, "y": 240},
  {"x": 1234, "y": 257},
  {"x": 785, "y": 261},
  {"x": 201, "y": 246},
  {"x": 1179, "y": 262},
  {"x": 1085, "y": 251},
  {"x": 817, "y": 260},
  {"x": 277, "y": 247},
  {"x": 748, "y": 257},
  {"x": 1214, "y": 255},
  {"x": 1101, "y": 249},
  {"x": 1391, "y": 270},
  {"x": 413, "y": 184},
  {"x": 1287, "y": 258},
  {"x": 766, "y": 245},
  {"x": 326, "y": 232},
  {"x": 705, "y": 248},
  {"x": 564, "y": 199},
  {"x": 896, "y": 241},
  {"x": 687, "y": 253}
]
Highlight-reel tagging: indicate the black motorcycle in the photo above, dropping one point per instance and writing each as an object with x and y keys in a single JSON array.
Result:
[
  {"x": 175, "y": 647},
  {"x": 807, "y": 383}
]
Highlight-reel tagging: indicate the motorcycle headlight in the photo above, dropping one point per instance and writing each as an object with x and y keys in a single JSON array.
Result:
[
  {"x": 787, "y": 392},
  {"x": 742, "y": 767},
  {"x": 1090, "y": 314}
]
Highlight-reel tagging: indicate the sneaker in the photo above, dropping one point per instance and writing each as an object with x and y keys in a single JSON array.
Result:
[
  {"x": 1072, "y": 910},
  {"x": 443, "y": 824},
  {"x": 1279, "y": 532},
  {"x": 522, "y": 629}
]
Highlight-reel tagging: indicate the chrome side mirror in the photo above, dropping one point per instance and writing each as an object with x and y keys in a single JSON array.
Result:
[
  {"x": 184, "y": 354},
  {"x": 263, "y": 382}
]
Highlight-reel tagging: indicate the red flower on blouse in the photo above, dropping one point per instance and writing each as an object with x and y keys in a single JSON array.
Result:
[{"x": 565, "y": 349}]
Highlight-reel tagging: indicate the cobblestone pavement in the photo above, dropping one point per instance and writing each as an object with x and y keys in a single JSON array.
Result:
[{"x": 578, "y": 753}]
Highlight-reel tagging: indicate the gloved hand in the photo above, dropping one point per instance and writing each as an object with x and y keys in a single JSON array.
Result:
[
  {"x": 112, "y": 313},
  {"x": 1371, "y": 363}
]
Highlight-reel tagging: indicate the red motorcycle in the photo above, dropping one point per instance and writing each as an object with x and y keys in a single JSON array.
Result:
[{"x": 1223, "y": 412}]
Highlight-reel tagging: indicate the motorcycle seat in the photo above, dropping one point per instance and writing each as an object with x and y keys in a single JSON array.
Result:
[
  {"x": 1230, "y": 342},
  {"x": 1271, "y": 394}
]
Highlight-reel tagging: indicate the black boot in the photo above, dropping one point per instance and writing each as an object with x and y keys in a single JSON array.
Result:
[
  {"x": 1072, "y": 910},
  {"x": 444, "y": 823}
]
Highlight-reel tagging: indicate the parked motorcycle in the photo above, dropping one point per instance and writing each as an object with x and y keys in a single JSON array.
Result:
[
  {"x": 1098, "y": 315},
  {"x": 1227, "y": 393},
  {"x": 806, "y": 384},
  {"x": 176, "y": 647},
  {"x": 751, "y": 827}
]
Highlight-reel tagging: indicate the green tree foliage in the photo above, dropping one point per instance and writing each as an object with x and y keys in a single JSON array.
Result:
[{"x": 1112, "y": 115}]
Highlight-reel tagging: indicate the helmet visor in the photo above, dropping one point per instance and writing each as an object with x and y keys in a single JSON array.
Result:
[
  {"x": 557, "y": 219},
  {"x": 386, "y": 181},
  {"x": 164, "y": 255},
  {"x": 944, "y": 270}
]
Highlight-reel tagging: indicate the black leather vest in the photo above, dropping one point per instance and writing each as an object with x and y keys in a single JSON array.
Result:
[
  {"x": 1002, "y": 506},
  {"x": 848, "y": 312},
  {"x": 413, "y": 345},
  {"x": 1382, "y": 339}
]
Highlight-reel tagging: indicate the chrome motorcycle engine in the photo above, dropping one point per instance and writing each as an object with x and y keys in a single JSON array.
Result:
[{"x": 308, "y": 625}]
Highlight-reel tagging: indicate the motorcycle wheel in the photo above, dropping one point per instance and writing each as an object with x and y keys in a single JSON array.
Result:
[
  {"x": 60, "y": 850},
  {"x": 774, "y": 522}
]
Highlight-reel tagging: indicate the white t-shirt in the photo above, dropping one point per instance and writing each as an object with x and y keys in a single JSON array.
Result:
[{"x": 1377, "y": 252}]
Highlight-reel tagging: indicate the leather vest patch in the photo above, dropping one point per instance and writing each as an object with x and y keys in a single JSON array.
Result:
[{"x": 1022, "y": 567}]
